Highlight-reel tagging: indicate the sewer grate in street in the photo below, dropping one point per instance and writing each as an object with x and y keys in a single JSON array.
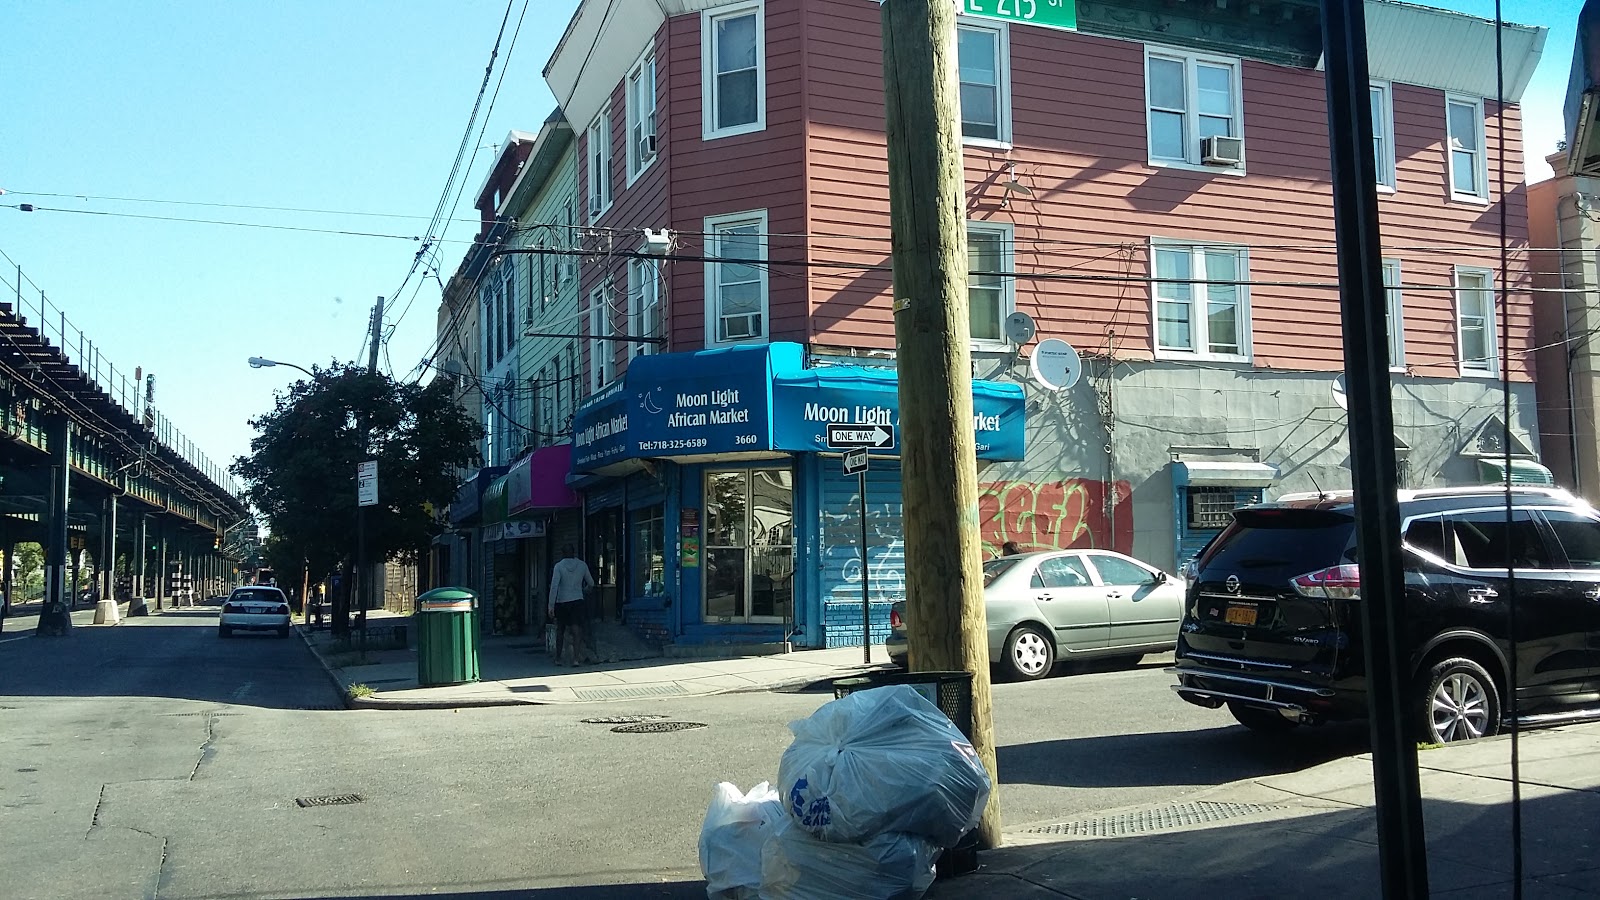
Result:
[
  {"x": 330, "y": 800},
  {"x": 629, "y": 693},
  {"x": 623, "y": 720},
  {"x": 656, "y": 727},
  {"x": 1158, "y": 818}
]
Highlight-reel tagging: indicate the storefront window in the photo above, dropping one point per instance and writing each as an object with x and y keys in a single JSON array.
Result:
[
  {"x": 749, "y": 553},
  {"x": 648, "y": 547}
]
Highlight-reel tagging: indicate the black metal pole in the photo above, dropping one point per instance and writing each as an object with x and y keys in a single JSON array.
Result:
[
  {"x": 1402, "y": 845},
  {"x": 55, "y": 618},
  {"x": 866, "y": 603}
]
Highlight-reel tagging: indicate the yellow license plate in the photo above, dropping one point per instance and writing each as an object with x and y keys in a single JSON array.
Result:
[{"x": 1240, "y": 615}]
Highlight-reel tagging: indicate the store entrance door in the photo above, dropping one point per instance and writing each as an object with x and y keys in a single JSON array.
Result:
[{"x": 749, "y": 546}]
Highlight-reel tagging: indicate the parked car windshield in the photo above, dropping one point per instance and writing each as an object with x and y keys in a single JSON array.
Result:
[{"x": 994, "y": 568}]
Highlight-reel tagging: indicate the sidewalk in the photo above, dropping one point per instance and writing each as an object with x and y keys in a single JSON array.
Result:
[
  {"x": 1312, "y": 833},
  {"x": 516, "y": 671}
]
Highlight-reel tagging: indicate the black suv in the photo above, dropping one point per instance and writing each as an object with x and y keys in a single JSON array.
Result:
[{"x": 1272, "y": 630}]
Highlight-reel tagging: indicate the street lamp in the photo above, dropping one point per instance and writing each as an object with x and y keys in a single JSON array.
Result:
[{"x": 261, "y": 362}]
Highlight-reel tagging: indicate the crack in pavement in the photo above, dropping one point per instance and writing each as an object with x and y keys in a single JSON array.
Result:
[{"x": 207, "y": 747}]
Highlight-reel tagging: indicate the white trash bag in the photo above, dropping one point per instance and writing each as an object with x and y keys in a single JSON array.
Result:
[
  {"x": 893, "y": 866},
  {"x": 735, "y": 828},
  {"x": 878, "y": 761}
]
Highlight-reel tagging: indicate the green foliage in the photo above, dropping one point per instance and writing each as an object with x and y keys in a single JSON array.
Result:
[
  {"x": 356, "y": 691},
  {"x": 301, "y": 470}
]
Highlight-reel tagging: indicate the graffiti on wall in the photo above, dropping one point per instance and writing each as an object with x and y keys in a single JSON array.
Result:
[
  {"x": 843, "y": 563},
  {"x": 1063, "y": 514}
]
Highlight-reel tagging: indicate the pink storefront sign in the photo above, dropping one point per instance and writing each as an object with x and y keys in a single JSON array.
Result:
[{"x": 539, "y": 481}]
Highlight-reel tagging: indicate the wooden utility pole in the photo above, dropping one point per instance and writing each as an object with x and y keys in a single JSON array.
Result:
[{"x": 948, "y": 630}]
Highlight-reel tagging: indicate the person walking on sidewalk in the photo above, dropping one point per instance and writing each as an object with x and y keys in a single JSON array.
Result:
[{"x": 569, "y": 581}]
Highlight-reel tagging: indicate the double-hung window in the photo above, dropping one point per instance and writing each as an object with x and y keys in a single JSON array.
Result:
[
  {"x": 1396, "y": 315},
  {"x": 1202, "y": 306},
  {"x": 1475, "y": 321},
  {"x": 1464, "y": 136},
  {"x": 602, "y": 362},
  {"x": 990, "y": 289},
  {"x": 985, "y": 91},
  {"x": 736, "y": 278},
  {"x": 600, "y": 165},
  {"x": 1382, "y": 132},
  {"x": 641, "y": 93},
  {"x": 1189, "y": 97},
  {"x": 644, "y": 304},
  {"x": 733, "y": 70}
]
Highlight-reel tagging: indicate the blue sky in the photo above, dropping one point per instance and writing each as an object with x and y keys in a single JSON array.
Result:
[{"x": 348, "y": 112}]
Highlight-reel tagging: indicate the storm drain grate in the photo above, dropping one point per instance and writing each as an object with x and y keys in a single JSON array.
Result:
[
  {"x": 623, "y": 720},
  {"x": 656, "y": 727},
  {"x": 329, "y": 800},
  {"x": 629, "y": 693},
  {"x": 1158, "y": 818}
]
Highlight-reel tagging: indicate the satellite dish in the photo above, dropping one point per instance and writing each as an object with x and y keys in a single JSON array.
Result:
[
  {"x": 1055, "y": 365},
  {"x": 1339, "y": 395},
  {"x": 1019, "y": 328}
]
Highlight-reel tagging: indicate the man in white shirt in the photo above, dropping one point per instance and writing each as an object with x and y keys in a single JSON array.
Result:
[{"x": 569, "y": 581}]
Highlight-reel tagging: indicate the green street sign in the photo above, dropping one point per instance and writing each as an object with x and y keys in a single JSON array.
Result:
[{"x": 1044, "y": 13}]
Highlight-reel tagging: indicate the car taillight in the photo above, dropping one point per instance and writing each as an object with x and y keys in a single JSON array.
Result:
[
  {"x": 227, "y": 607},
  {"x": 894, "y": 619},
  {"x": 1332, "y": 583},
  {"x": 283, "y": 610}
]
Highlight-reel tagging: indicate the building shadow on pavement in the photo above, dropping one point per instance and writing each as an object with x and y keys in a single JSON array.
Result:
[
  {"x": 1328, "y": 854},
  {"x": 1201, "y": 757}
]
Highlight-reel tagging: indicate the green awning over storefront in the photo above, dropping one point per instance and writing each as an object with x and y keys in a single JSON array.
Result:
[
  {"x": 494, "y": 501},
  {"x": 1523, "y": 471}
]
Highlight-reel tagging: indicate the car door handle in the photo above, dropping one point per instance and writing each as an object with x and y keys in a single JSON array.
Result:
[
  {"x": 1114, "y": 594},
  {"x": 1593, "y": 593},
  {"x": 1481, "y": 595},
  {"x": 1047, "y": 596}
]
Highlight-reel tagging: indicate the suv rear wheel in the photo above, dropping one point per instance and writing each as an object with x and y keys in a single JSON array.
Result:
[
  {"x": 1266, "y": 721},
  {"x": 1458, "y": 702}
]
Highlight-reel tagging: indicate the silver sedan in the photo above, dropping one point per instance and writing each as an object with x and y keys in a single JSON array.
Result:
[{"x": 1068, "y": 605}]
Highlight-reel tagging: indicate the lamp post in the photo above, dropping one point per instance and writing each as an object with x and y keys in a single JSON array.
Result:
[{"x": 261, "y": 362}]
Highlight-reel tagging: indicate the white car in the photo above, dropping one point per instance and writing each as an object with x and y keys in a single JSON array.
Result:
[{"x": 254, "y": 608}]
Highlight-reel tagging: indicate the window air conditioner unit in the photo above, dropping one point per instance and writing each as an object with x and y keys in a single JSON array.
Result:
[
  {"x": 1222, "y": 151},
  {"x": 648, "y": 145}
]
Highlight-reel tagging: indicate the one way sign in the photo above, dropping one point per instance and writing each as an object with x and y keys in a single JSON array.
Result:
[{"x": 849, "y": 437}]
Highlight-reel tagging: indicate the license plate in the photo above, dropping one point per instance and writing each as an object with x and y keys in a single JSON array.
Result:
[{"x": 1240, "y": 615}]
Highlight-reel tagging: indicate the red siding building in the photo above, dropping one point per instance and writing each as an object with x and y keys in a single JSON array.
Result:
[{"x": 1152, "y": 188}]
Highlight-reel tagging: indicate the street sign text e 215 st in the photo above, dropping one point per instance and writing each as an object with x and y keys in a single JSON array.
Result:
[
  {"x": 842, "y": 436},
  {"x": 1044, "y": 13},
  {"x": 367, "y": 483}
]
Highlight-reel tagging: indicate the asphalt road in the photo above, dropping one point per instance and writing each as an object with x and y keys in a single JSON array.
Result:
[{"x": 155, "y": 760}]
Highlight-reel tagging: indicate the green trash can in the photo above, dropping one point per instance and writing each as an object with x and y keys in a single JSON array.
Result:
[{"x": 447, "y": 637}]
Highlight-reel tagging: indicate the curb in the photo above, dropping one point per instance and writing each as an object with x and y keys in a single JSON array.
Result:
[
  {"x": 375, "y": 702},
  {"x": 338, "y": 685}
]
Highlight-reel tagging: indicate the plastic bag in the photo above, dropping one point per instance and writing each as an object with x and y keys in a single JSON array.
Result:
[
  {"x": 878, "y": 761},
  {"x": 797, "y": 866},
  {"x": 735, "y": 828}
]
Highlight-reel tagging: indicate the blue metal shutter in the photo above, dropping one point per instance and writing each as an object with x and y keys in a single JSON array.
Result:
[{"x": 841, "y": 560}]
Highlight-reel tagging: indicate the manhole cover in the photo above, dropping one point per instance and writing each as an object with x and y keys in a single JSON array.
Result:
[
  {"x": 622, "y": 720},
  {"x": 331, "y": 800},
  {"x": 656, "y": 727},
  {"x": 1159, "y": 818}
]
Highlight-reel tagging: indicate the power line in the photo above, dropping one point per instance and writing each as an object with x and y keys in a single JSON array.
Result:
[
  {"x": 215, "y": 205},
  {"x": 28, "y": 207}
]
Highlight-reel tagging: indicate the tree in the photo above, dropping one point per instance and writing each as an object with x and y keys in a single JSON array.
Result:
[{"x": 301, "y": 472}]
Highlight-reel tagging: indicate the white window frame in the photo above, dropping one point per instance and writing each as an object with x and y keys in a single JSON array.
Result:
[
  {"x": 644, "y": 304},
  {"x": 638, "y": 162},
  {"x": 599, "y": 161},
  {"x": 1383, "y": 131},
  {"x": 1480, "y": 173},
  {"x": 1489, "y": 368},
  {"x": 567, "y": 263},
  {"x": 1191, "y": 112},
  {"x": 602, "y": 355},
  {"x": 713, "y": 313},
  {"x": 1199, "y": 299},
  {"x": 709, "y": 129},
  {"x": 1001, "y": 33},
  {"x": 1394, "y": 301},
  {"x": 1008, "y": 286}
]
